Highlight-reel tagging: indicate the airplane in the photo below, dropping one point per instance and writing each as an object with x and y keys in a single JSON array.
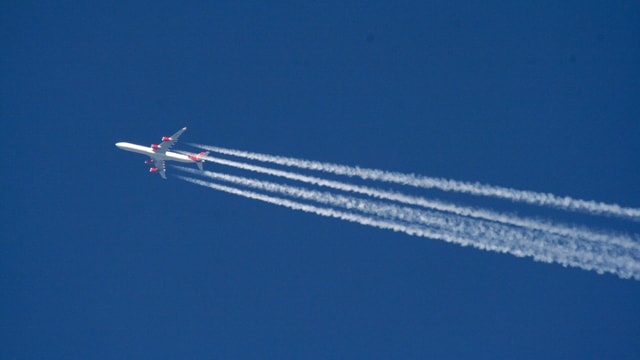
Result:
[{"x": 159, "y": 153}]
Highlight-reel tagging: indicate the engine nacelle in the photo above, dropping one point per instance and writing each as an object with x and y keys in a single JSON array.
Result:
[
  {"x": 155, "y": 146},
  {"x": 148, "y": 162},
  {"x": 153, "y": 169},
  {"x": 166, "y": 138}
]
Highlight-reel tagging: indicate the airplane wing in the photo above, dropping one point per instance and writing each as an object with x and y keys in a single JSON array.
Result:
[
  {"x": 162, "y": 170},
  {"x": 168, "y": 142}
]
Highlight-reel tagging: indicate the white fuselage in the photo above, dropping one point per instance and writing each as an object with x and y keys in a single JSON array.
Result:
[{"x": 146, "y": 150}]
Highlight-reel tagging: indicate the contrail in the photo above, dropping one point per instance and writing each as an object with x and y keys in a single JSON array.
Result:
[
  {"x": 525, "y": 196},
  {"x": 582, "y": 234},
  {"x": 600, "y": 257},
  {"x": 430, "y": 204}
]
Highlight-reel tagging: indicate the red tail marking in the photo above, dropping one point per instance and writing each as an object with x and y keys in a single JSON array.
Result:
[{"x": 197, "y": 157}]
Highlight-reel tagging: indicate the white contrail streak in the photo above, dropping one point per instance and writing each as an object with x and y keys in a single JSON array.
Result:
[
  {"x": 525, "y": 196},
  {"x": 430, "y": 204},
  {"x": 574, "y": 233},
  {"x": 544, "y": 247}
]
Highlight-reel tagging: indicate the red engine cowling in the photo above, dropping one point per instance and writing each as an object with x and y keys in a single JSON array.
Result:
[
  {"x": 153, "y": 169},
  {"x": 166, "y": 138},
  {"x": 155, "y": 146},
  {"x": 148, "y": 162}
]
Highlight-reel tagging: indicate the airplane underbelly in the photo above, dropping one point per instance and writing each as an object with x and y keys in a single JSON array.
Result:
[
  {"x": 135, "y": 148},
  {"x": 177, "y": 157}
]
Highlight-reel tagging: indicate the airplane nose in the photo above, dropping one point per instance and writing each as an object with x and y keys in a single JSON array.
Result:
[{"x": 119, "y": 144}]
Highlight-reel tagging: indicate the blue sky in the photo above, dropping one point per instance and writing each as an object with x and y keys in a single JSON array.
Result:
[{"x": 100, "y": 259}]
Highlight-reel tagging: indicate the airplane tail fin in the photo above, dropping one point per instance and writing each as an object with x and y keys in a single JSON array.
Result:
[{"x": 199, "y": 160}]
